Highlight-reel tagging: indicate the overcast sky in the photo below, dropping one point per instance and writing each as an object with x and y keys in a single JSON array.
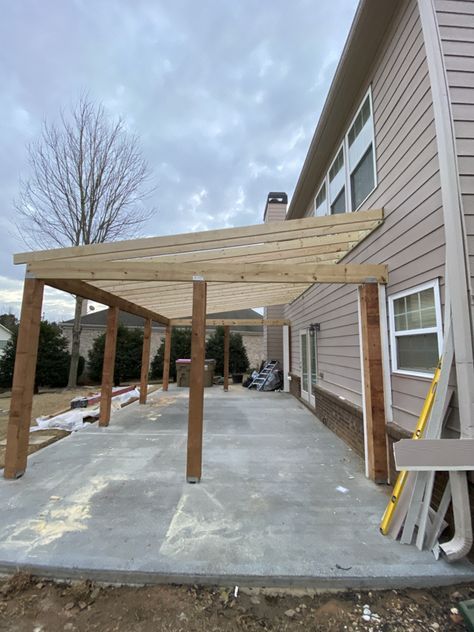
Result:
[{"x": 224, "y": 96}]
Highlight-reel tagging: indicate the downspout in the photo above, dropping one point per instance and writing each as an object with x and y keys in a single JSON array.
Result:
[{"x": 457, "y": 272}]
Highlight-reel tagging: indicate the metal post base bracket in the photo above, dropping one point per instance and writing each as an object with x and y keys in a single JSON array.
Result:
[{"x": 193, "y": 479}]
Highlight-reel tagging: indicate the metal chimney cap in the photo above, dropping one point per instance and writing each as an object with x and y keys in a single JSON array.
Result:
[{"x": 277, "y": 198}]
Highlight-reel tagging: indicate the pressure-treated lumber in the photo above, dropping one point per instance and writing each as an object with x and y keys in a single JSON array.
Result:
[
  {"x": 166, "y": 358},
  {"x": 145, "y": 368},
  {"x": 373, "y": 383},
  {"x": 434, "y": 454},
  {"x": 108, "y": 366},
  {"x": 211, "y": 272},
  {"x": 86, "y": 290},
  {"x": 275, "y": 231},
  {"x": 226, "y": 356},
  {"x": 196, "y": 388},
  {"x": 234, "y": 322},
  {"x": 23, "y": 380}
]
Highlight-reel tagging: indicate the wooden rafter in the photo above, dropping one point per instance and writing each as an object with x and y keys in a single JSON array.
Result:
[
  {"x": 220, "y": 273},
  {"x": 153, "y": 246},
  {"x": 233, "y": 322},
  {"x": 250, "y": 266}
]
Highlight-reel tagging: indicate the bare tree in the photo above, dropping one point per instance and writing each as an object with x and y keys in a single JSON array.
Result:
[{"x": 87, "y": 185}]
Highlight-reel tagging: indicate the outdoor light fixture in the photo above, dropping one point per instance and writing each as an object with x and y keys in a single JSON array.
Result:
[{"x": 313, "y": 328}]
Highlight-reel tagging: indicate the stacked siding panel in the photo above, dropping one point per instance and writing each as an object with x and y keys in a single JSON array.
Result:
[
  {"x": 411, "y": 241},
  {"x": 456, "y": 26}
]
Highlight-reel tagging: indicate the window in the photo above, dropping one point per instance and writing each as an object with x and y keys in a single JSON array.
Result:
[
  {"x": 352, "y": 175},
  {"x": 3, "y": 344},
  {"x": 320, "y": 203},
  {"x": 415, "y": 330},
  {"x": 360, "y": 149},
  {"x": 337, "y": 179}
]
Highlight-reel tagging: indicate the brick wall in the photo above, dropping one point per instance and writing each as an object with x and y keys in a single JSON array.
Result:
[
  {"x": 295, "y": 385},
  {"x": 344, "y": 419}
]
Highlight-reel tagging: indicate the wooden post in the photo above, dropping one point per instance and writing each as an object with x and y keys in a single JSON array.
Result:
[
  {"x": 196, "y": 388},
  {"x": 18, "y": 432},
  {"x": 286, "y": 358},
  {"x": 226, "y": 356},
  {"x": 166, "y": 358},
  {"x": 374, "y": 413},
  {"x": 108, "y": 366},
  {"x": 145, "y": 361}
]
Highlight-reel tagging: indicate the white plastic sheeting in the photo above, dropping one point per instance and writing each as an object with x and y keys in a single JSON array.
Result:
[{"x": 73, "y": 420}]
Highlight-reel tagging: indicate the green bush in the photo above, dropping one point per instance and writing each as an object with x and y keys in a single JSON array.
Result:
[
  {"x": 52, "y": 366},
  {"x": 180, "y": 348},
  {"x": 238, "y": 360},
  {"x": 128, "y": 356}
]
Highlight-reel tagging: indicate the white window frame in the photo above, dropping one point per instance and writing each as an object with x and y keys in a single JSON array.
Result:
[
  {"x": 325, "y": 205},
  {"x": 346, "y": 143},
  {"x": 344, "y": 185},
  {"x": 438, "y": 329},
  {"x": 347, "y": 168}
]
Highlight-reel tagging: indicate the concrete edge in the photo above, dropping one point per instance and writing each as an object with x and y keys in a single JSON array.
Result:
[{"x": 139, "y": 578}]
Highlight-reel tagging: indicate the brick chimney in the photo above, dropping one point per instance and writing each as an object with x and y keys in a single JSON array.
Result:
[
  {"x": 275, "y": 211},
  {"x": 275, "y": 208}
]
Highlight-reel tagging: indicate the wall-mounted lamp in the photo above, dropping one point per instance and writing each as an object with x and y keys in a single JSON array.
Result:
[{"x": 313, "y": 328}]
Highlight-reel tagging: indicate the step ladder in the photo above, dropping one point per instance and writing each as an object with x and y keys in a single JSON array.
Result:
[{"x": 262, "y": 378}]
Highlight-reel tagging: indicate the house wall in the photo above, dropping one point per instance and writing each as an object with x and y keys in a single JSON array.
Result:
[
  {"x": 4, "y": 338},
  {"x": 253, "y": 342},
  {"x": 411, "y": 240},
  {"x": 456, "y": 26}
]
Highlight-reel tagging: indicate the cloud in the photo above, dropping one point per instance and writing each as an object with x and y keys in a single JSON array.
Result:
[{"x": 224, "y": 97}]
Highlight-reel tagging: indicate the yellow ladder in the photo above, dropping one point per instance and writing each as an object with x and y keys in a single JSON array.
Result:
[{"x": 402, "y": 477}]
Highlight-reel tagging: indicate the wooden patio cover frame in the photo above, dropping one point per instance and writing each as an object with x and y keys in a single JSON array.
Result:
[{"x": 167, "y": 279}]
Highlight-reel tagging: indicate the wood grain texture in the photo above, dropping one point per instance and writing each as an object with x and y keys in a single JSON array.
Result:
[
  {"x": 226, "y": 356},
  {"x": 205, "y": 240},
  {"x": 196, "y": 388},
  {"x": 166, "y": 358},
  {"x": 211, "y": 272},
  {"x": 23, "y": 380},
  {"x": 145, "y": 368},
  {"x": 108, "y": 366},
  {"x": 373, "y": 383}
]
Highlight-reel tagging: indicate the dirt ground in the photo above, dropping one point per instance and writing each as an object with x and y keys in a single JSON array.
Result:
[
  {"x": 45, "y": 403},
  {"x": 32, "y": 605}
]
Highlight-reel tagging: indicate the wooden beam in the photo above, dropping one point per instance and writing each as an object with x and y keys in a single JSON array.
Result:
[
  {"x": 374, "y": 412},
  {"x": 226, "y": 356},
  {"x": 108, "y": 366},
  {"x": 234, "y": 322},
  {"x": 196, "y": 388},
  {"x": 18, "y": 431},
  {"x": 206, "y": 239},
  {"x": 166, "y": 358},
  {"x": 145, "y": 368},
  {"x": 93, "y": 293},
  {"x": 222, "y": 273}
]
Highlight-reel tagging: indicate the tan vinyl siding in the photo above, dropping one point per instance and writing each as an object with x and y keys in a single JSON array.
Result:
[
  {"x": 411, "y": 241},
  {"x": 273, "y": 336},
  {"x": 456, "y": 25}
]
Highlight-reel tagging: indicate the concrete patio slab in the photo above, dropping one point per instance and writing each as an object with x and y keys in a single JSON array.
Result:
[{"x": 112, "y": 504}]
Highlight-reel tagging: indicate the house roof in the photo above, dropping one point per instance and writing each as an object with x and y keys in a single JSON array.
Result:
[
  {"x": 99, "y": 319},
  {"x": 5, "y": 329},
  {"x": 348, "y": 86}
]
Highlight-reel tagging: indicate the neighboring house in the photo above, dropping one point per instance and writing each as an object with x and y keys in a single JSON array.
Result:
[
  {"x": 5, "y": 335},
  {"x": 376, "y": 145},
  {"x": 94, "y": 324}
]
